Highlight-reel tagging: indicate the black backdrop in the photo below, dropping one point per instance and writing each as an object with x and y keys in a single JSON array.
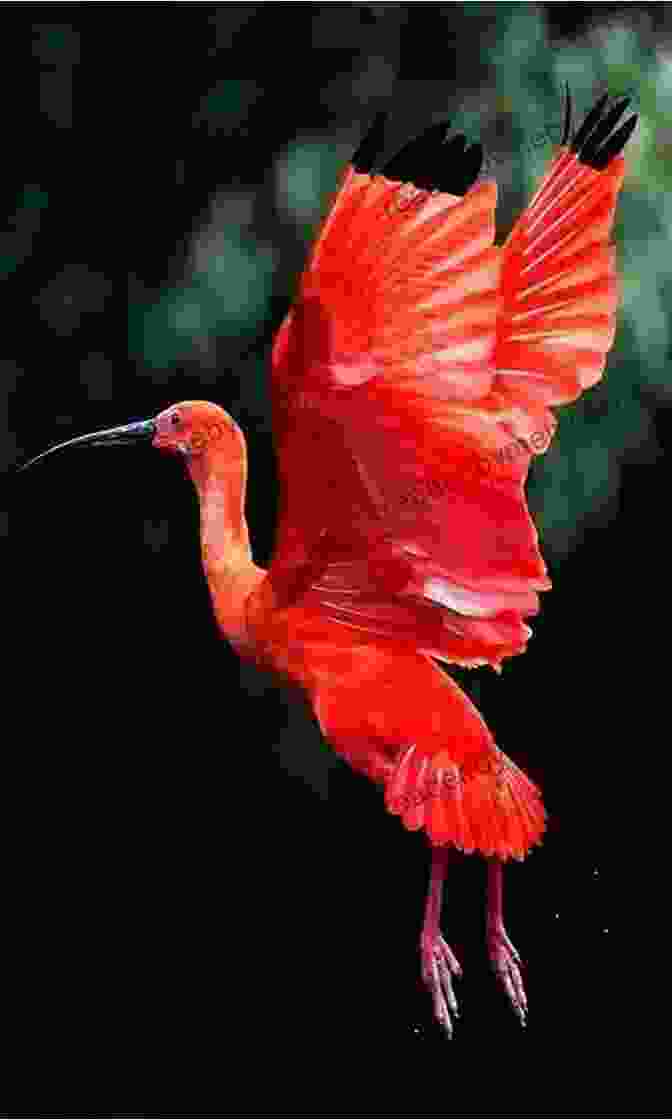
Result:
[{"x": 206, "y": 912}]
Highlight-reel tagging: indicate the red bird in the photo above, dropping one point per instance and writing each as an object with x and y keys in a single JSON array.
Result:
[{"x": 412, "y": 382}]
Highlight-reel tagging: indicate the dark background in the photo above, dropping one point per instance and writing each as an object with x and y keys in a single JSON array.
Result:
[{"x": 205, "y": 910}]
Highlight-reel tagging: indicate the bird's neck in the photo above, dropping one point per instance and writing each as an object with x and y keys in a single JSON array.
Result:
[{"x": 225, "y": 542}]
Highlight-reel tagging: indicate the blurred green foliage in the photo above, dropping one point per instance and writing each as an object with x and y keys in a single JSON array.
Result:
[
  {"x": 307, "y": 174},
  {"x": 227, "y": 294},
  {"x": 225, "y": 105},
  {"x": 229, "y": 291},
  {"x": 233, "y": 283},
  {"x": 581, "y": 473},
  {"x": 16, "y": 244}
]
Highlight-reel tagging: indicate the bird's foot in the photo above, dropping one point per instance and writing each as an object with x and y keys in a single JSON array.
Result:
[
  {"x": 439, "y": 965},
  {"x": 505, "y": 960}
]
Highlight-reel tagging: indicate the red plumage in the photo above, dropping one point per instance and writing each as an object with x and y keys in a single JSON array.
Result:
[{"x": 412, "y": 382}]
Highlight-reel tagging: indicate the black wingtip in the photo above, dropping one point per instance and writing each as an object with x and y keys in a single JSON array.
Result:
[
  {"x": 430, "y": 162},
  {"x": 459, "y": 174},
  {"x": 589, "y": 123},
  {"x": 614, "y": 144},
  {"x": 371, "y": 145},
  {"x": 596, "y": 144},
  {"x": 419, "y": 161},
  {"x": 567, "y": 129}
]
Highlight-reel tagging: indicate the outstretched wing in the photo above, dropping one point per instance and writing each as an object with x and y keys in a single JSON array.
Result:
[
  {"x": 403, "y": 511},
  {"x": 559, "y": 280}
]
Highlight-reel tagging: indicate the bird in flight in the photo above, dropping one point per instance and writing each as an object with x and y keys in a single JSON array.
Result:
[{"x": 412, "y": 382}]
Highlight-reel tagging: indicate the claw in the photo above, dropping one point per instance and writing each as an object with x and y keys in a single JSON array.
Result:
[
  {"x": 453, "y": 963},
  {"x": 439, "y": 965},
  {"x": 505, "y": 960}
]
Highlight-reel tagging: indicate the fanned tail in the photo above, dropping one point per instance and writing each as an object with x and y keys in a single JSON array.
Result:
[
  {"x": 490, "y": 807},
  {"x": 457, "y": 785},
  {"x": 409, "y": 726}
]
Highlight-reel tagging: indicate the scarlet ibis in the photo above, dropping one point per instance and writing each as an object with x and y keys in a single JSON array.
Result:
[{"x": 412, "y": 382}]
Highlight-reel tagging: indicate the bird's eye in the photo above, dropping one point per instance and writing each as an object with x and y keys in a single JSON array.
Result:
[{"x": 176, "y": 419}]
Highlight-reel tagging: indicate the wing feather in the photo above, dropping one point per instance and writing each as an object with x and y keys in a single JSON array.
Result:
[
  {"x": 560, "y": 287},
  {"x": 412, "y": 381}
]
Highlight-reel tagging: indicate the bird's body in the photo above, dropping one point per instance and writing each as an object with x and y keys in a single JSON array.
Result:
[
  {"x": 412, "y": 383},
  {"x": 374, "y": 696}
]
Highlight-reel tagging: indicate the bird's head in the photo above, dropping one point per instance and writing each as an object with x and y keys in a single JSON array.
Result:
[{"x": 191, "y": 428}]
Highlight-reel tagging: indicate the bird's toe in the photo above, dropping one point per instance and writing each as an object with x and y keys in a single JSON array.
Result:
[
  {"x": 505, "y": 961},
  {"x": 439, "y": 966}
]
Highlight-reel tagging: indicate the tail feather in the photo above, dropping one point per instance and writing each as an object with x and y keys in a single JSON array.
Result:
[
  {"x": 490, "y": 807},
  {"x": 449, "y": 778}
]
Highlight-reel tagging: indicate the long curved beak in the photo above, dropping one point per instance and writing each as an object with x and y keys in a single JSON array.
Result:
[{"x": 110, "y": 437}]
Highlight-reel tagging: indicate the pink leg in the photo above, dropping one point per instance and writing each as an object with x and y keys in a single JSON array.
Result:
[
  {"x": 504, "y": 957},
  {"x": 439, "y": 964}
]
